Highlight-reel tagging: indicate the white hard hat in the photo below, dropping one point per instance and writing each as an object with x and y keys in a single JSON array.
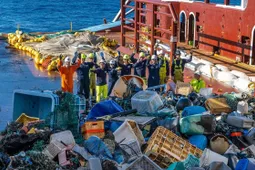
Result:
[
  {"x": 112, "y": 62},
  {"x": 154, "y": 57},
  {"x": 67, "y": 59},
  {"x": 101, "y": 61}
]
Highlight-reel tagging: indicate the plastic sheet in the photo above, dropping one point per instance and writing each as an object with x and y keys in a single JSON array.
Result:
[
  {"x": 225, "y": 77},
  {"x": 222, "y": 67},
  {"x": 205, "y": 70},
  {"x": 107, "y": 107},
  {"x": 239, "y": 74},
  {"x": 242, "y": 85}
]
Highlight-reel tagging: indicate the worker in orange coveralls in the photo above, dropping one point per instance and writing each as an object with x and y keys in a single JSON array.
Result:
[{"x": 66, "y": 72}]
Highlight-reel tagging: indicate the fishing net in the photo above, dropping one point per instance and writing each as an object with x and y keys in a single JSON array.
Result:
[
  {"x": 65, "y": 116},
  {"x": 32, "y": 160}
]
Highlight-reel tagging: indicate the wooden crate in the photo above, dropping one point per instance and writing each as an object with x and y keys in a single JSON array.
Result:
[
  {"x": 95, "y": 128},
  {"x": 165, "y": 147}
]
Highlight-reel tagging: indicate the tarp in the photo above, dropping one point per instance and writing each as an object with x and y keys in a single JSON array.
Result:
[{"x": 103, "y": 108}]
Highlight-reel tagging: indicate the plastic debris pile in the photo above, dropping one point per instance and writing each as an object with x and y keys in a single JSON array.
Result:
[{"x": 155, "y": 131}]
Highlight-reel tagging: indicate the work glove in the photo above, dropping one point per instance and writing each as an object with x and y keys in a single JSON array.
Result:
[{"x": 102, "y": 55}]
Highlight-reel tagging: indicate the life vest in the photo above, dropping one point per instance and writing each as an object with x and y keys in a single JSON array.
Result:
[{"x": 178, "y": 75}]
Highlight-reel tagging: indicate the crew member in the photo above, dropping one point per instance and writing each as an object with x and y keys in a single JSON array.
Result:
[
  {"x": 164, "y": 69},
  {"x": 178, "y": 66},
  {"x": 101, "y": 86},
  {"x": 92, "y": 76},
  {"x": 113, "y": 76},
  {"x": 197, "y": 82},
  {"x": 153, "y": 67},
  {"x": 83, "y": 81},
  {"x": 140, "y": 66},
  {"x": 127, "y": 65},
  {"x": 66, "y": 72}
]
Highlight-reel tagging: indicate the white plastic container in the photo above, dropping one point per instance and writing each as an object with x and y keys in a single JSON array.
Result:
[
  {"x": 128, "y": 132},
  {"x": 95, "y": 164},
  {"x": 146, "y": 101},
  {"x": 242, "y": 107},
  {"x": 65, "y": 136},
  {"x": 209, "y": 156},
  {"x": 241, "y": 122}
]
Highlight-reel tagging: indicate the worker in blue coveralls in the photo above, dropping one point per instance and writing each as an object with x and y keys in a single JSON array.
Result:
[
  {"x": 127, "y": 65},
  {"x": 140, "y": 66},
  {"x": 83, "y": 80},
  {"x": 153, "y": 66},
  {"x": 113, "y": 75}
]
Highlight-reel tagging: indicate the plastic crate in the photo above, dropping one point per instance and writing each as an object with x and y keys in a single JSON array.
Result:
[
  {"x": 79, "y": 104},
  {"x": 165, "y": 147},
  {"x": 146, "y": 102},
  {"x": 143, "y": 163},
  {"x": 183, "y": 88},
  {"x": 132, "y": 148},
  {"x": 95, "y": 128}
]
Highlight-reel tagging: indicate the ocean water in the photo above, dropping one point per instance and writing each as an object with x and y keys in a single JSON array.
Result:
[{"x": 54, "y": 15}]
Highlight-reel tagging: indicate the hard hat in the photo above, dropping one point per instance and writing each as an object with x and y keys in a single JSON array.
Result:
[
  {"x": 83, "y": 56},
  {"x": 141, "y": 54},
  {"x": 177, "y": 52},
  {"x": 67, "y": 59},
  {"x": 91, "y": 55},
  {"x": 126, "y": 57},
  {"x": 154, "y": 57},
  {"x": 102, "y": 61},
  {"x": 112, "y": 62}
]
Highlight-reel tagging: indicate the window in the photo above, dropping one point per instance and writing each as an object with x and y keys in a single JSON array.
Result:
[
  {"x": 217, "y": 1},
  {"x": 235, "y": 2},
  {"x": 231, "y": 2}
]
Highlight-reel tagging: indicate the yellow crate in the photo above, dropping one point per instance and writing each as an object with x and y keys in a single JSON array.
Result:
[{"x": 165, "y": 147}]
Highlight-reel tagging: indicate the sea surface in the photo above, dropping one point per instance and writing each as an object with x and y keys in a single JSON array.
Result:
[{"x": 54, "y": 15}]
